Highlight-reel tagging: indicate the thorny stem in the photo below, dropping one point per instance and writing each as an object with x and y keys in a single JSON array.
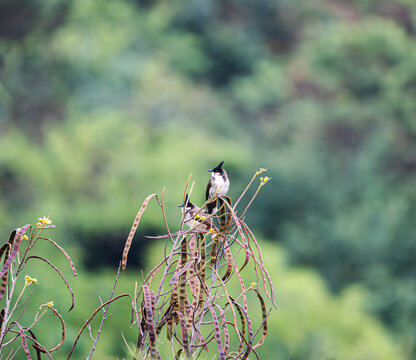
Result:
[
  {"x": 214, "y": 276},
  {"x": 37, "y": 318},
  {"x": 7, "y": 314},
  {"x": 175, "y": 242},
  {"x": 32, "y": 241},
  {"x": 11, "y": 355},
  {"x": 92, "y": 316},
  {"x": 10, "y": 290},
  {"x": 105, "y": 310},
  {"x": 17, "y": 301},
  {"x": 163, "y": 212},
  {"x": 16, "y": 266}
]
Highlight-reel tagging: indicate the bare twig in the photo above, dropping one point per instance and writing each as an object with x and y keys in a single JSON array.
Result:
[{"x": 104, "y": 317}]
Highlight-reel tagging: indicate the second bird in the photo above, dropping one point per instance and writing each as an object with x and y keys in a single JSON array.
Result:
[
  {"x": 217, "y": 185},
  {"x": 194, "y": 217}
]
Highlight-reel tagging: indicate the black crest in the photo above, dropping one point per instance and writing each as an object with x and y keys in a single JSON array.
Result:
[
  {"x": 187, "y": 202},
  {"x": 218, "y": 168}
]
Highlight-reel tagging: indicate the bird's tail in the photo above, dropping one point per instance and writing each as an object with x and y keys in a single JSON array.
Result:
[{"x": 211, "y": 207}]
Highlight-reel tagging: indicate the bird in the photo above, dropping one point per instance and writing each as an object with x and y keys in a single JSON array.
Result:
[
  {"x": 217, "y": 185},
  {"x": 194, "y": 217}
]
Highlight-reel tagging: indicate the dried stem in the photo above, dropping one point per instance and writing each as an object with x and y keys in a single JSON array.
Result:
[{"x": 104, "y": 317}]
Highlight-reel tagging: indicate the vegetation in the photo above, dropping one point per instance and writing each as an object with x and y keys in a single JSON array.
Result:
[
  {"x": 14, "y": 263},
  {"x": 101, "y": 102},
  {"x": 329, "y": 325}
]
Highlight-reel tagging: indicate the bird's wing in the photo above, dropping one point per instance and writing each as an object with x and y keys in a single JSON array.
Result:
[
  {"x": 207, "y": 191},
  {"x": 208, "y": 222}
]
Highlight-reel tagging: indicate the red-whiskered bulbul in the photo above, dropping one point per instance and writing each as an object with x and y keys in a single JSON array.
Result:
[
  {"x": 194, "y": 217},
  {"x": 217, "y": 185}
]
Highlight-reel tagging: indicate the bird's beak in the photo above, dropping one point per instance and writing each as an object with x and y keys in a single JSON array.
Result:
[
  {"x": 180, "y": 205},
  {"x": 209, "y": 170}
]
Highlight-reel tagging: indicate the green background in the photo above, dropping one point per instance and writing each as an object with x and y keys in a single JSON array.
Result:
[{"x": 105, "y": 102}]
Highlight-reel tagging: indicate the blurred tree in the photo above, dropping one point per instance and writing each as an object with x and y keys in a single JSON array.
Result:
[
  {"x": 31, "y": 80},
  {"x": 343, "y": 146},
  {"x": 101, "y": 101}
]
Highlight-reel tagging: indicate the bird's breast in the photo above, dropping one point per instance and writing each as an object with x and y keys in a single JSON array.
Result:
[{"x": 219, "y": 186}]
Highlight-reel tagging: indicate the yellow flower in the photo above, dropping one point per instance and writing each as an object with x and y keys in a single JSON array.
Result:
[
  {"x": 44, "y": 221},
  {"x": 263, "y": 181},
  {"x": 253, "y": 284},
  {"x": 50, "y": 303},
  {"x": 211, "y": 230},
  {"x": 29, "y": 280},
  {"x": 24, "y": 236}
]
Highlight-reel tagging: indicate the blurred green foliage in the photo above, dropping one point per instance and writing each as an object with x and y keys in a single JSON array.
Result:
[
  {"x": 310, "y": 323},
  {"x": 102, "y": 103}
]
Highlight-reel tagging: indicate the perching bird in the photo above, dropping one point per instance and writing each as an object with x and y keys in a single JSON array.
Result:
[
  {"x": 194, "y": 217},
  {"x": 217, "y": 185}
]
